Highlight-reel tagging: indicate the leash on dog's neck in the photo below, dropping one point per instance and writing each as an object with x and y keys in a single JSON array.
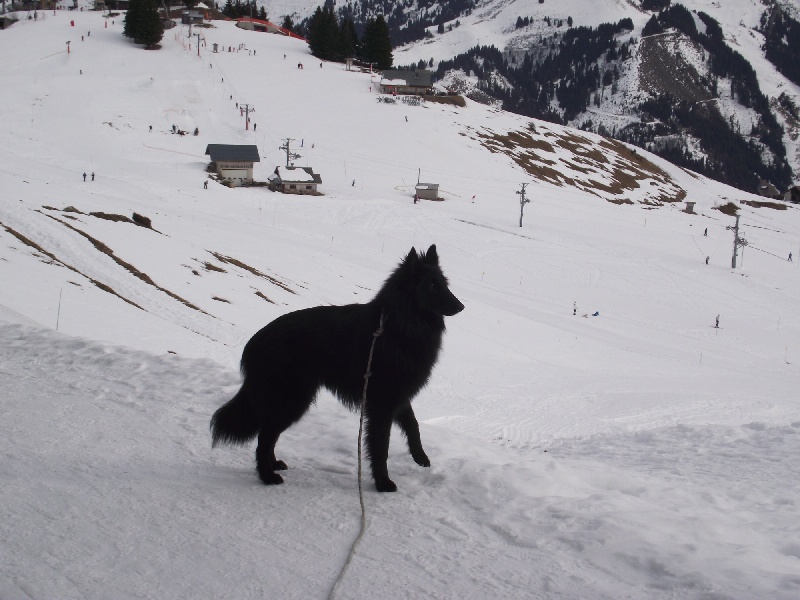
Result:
[{"x": 367, "y": 374}]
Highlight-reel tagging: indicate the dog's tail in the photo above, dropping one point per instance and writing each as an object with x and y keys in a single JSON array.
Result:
[{"x": 234, "y": 422}]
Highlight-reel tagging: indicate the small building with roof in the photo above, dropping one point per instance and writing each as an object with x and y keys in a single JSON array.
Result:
[
  {"x": 766, "y": 189},
  {"x": 234, "y": 161},
  {"x": 192, "y": 17},
  {"x": 295, "y": 180},
  {"x": 418, "y": 82},
  {"x": 427, "y": 191},
  {"x": 253, "y": 24}
]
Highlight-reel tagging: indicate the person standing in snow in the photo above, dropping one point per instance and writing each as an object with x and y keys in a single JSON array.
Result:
[
  {"x": 716, "y": 325},
  {"x": 92, "y": 175},
  {"x": 84, "y": 176},
  {"x": 205, "y": 184},
  {"x": 574, "y": 308},
  {"x": 705, "y": 233},
  {"x": 707, "y": 257},
  {"x": 790, "y": 257}
]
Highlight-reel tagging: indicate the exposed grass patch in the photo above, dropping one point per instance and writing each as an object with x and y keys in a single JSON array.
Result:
[
  {"x": 602, "y": 168},
  {"x": 237, "y": 263},
  {"x": 212, "y": 267},
  {"x": 137, "y": 219},
  {"x": 111, "y": 217},
  {"x": 729, "y": 209},
  {"x": 127, "y": 266},
  {"x": 759, "y": 204},
  {"x": 452, "y": 100},
  {"x": 142, "y": 221},
  {"x": 263, "y": 297},
  {"x": 54, "y": 259}
]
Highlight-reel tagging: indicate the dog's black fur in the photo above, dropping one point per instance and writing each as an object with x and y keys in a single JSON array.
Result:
[{"x": 286, "y": 363}]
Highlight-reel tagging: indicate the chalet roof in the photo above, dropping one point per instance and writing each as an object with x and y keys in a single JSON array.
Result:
[
  {"x": 233, "y": 152},
  {"x": 297, "y": 175},
  {"x": 418, "y": 78}
]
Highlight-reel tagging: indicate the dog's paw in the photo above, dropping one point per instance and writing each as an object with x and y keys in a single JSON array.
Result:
[
  {"x": 279, "y": 465},
  {"x": 421, "y": 459},
  {"x": 270, "y": 478},
  {"x": 385, "y": 485}
]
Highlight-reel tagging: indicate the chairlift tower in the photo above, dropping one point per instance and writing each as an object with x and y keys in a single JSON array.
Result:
[
  {"x": 738, "y": 242},
  {"x": 246, "y": 109},
  {"x": 522, "y": 201},
  {"x": 290, "y": 156}
]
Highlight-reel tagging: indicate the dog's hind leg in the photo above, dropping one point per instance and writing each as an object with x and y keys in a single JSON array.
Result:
[
  {"x": 266, "y": 463},
  {"x": 407, "y": 422},
  {"x": 282, "y": 408}
]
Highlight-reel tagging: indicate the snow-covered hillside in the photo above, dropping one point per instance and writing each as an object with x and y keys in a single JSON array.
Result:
[
  {"x": 611, "y": 109},
  {"x": 638, "y": 453}
]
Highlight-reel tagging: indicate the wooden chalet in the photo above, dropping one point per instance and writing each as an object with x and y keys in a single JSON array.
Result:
[
  {"x": 295, "y": 180},
  {"x": 419, "y": 82},
  {"x": 234, "y": 162}
]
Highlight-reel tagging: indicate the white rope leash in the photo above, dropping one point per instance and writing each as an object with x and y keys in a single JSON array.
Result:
[{"x": 335, "y": 587}]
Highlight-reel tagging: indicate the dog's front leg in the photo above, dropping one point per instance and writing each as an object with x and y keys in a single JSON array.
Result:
[
  {"x": 379, "y": 426},
  {"x": 407, "y": 422}
]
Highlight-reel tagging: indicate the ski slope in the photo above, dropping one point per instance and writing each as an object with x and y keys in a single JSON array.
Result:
[{"x": 639, "y": 453}]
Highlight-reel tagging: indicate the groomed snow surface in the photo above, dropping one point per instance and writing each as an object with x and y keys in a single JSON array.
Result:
[{"x": 640, "y": 453}]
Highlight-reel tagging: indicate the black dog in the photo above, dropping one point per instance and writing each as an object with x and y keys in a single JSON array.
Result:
[{"x": 285, "y": 363}]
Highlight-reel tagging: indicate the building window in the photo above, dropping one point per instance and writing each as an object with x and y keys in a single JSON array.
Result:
[{"x": 292, "y": 187}]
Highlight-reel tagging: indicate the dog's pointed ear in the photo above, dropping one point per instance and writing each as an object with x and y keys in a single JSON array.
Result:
[
  {"x": 412, "y": 258},
  {"x": 431, "y": 256}
]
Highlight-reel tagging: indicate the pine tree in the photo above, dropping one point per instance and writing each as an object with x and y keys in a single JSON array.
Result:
[
  {"x": 652, "y": 27},
  {"x": 150, "y": 30},
  {"x": 143, "y": 24},
  {"x": 132, "y": 18},
  {"x": 376, "y": 46},
  {"x": 323, "y": 34},
  {"x": 348, "y": 40}
]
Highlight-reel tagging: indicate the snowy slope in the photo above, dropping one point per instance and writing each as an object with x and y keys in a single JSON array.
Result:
[
  {"x": 492, "y": 23},
  {"x": 641, "y": 453}
]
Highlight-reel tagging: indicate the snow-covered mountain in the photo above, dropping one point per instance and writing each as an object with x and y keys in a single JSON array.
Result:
[
  {"x": 729, "y": 107},
  {"x": 638, "y": 453}
]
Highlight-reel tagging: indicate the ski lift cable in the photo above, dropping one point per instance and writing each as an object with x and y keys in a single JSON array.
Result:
[
  {"x": 766, "y": 228},
  {"x": 765, "y": 252}
]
